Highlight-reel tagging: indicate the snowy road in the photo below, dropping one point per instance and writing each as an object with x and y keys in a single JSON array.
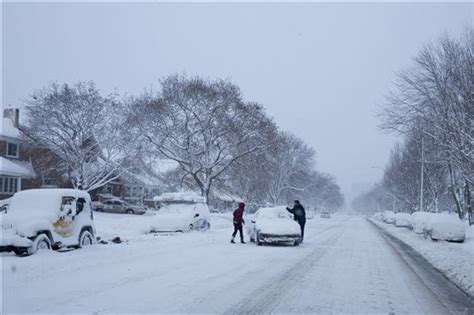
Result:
[{"x": 345, "y": 265}]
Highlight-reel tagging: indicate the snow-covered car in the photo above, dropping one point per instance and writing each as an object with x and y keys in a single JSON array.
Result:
[
  {"x": 118, "y": 206},
  {"x": 419, "y": 220},
  {"x": 445, "y": 227},
  {"x": 181, "y": 212},
  {"x": 273, "y": 225},
  {"x": 40, "y": 219},
  {"x": 389, "y": 217},
  {"x": 325, "y": 215},
  {"x": 378, "y": 216},
  {"x": 402, "y": 219}
]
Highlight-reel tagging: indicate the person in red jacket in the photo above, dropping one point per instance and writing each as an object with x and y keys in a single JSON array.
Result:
[{"x": 238, "y": 222}]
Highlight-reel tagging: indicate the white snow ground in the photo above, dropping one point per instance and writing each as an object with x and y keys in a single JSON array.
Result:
[
  {"x": 455, "y": 260},
  {"x": 345, "y": 265}
]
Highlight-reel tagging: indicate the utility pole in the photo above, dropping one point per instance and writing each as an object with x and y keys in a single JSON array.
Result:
[{"x": 422, "y": 174}]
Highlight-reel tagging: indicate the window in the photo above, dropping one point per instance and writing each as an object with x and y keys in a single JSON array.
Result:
[
  {"x": 108, "y": 189},
  {"x": 12, "y": 149},
  {"x": 9, "y": 185}
]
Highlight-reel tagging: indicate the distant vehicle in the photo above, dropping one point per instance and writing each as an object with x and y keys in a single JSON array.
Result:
[
  {"x": 325, "y": 215},
  {"x": 389, "y": 217},
  {"x": 181, "y": 212},
  {"x": 44, "y": 219},
  {"x": 117, "y": 206},
  {"x": 273, "y": 225},
  {"x": 445, "y": 227},
  {"x": 402, "y": 219}
]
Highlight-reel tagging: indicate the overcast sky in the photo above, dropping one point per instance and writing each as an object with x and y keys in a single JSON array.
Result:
[{"x": 319, "y": 69}]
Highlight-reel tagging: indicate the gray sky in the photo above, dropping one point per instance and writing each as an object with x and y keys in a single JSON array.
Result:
[{"x": 319, "y": 69}]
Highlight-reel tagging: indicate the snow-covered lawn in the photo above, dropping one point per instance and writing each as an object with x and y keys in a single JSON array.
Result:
[{"x": 455, "y": 260}]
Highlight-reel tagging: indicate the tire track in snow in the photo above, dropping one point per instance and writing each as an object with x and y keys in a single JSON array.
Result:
[{"x": 266, "y": 298}]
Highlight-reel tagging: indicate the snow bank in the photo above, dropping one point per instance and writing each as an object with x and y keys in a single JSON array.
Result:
[{"x": 455, "y": 260}]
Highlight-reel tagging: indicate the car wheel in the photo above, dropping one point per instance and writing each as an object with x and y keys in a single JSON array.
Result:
[
  {"x": 85, "y": 239},
  {"x": 259, "y": 243},
  {"x": 208, "y": 226},
  {"x": 296, "y": 243},
  {"x": 99, "y": 210},
  {"x": 129, "y": 211},
  {"x": 41, "y": 242},
  {"x": 21, "y": 251}
]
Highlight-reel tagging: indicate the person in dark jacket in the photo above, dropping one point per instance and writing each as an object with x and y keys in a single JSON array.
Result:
[
  {"x": 238, "y": 222},
  {"x": 299, "y": 215}
]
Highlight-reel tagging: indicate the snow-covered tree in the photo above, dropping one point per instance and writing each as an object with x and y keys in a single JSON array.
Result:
[
  {"x": 434, "y": 99},
  {"x": 84, "y": 130},
  {"x": 205, "y": 126}
]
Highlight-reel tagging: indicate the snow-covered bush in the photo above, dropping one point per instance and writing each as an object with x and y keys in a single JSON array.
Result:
[{"x": 446, "y": 227}]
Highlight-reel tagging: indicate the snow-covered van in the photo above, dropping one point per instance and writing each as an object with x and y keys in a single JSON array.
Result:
[
  {"x": 181, "y": 212},
  {"x": 47, "y": 219}
]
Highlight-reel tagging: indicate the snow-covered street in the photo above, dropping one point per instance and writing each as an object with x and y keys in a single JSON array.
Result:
[{"x": 345, "y": 265}]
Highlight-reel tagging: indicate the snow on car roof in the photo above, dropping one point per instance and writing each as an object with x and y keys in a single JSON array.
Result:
[
  {"x": 180, "y": 197},
  {"x": 41, "y": 202}
]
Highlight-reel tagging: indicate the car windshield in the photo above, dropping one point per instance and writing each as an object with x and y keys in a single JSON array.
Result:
[{"x": 272, "y": 213}]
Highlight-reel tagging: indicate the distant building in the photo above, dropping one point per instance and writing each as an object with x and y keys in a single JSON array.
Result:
[{"x": 16, "y": 169}]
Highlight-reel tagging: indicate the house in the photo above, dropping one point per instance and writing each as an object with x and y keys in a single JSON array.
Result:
[{"x": 16, "y": 169}]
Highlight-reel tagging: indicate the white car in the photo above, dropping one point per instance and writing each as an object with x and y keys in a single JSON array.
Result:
[
  {"x": 40, "y": 219},
  {"x": 419, "y": 220},
  {"x": 325, "y": 215},
  {"x": 181, "y": 212},
  {"x": 445, "y": 227},
  {"x": 273, "y": 225},
  {"x": 389, "y": 217},
  {"x": 402, "y": 219}
]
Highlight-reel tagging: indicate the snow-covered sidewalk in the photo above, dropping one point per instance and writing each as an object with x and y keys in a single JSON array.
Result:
[{"x": 454, "y": 260}]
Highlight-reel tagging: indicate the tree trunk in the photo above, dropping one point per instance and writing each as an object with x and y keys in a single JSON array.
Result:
[
  {"x": 454, "y": 193},
  {"x": 468, "y": 205}
]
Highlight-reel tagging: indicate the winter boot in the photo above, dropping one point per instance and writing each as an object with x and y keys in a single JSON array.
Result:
[
  {"x": 242, "y": 241},
  {"x": 232, "y": 241}
]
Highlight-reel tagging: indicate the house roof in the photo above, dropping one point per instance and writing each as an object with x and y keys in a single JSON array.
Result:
[
  {"x": 16, "y": 168},
  {"x": 7, "y": 129}
]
